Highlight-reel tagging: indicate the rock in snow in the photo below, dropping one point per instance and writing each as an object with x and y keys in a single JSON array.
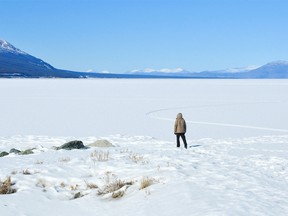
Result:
[
  {"x": 2, "y": 154},
  {"x": 15, "y": 151},
  {"x": 76, "y": 144}
]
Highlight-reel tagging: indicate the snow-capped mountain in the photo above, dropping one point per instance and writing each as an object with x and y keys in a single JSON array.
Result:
[
  {"x": 17, "y": 63},
  {"x": 164, "y": 70},
  {"x": 167, "y": 72},
  {"x": 181, "y": 71},
  {"x": 6, "y": 47},
  {"x": 239, "y": 69},
  {"x": 277, "y": 69}
]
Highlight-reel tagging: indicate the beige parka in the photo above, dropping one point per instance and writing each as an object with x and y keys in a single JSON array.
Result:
[{"x": 180, "y": 124}]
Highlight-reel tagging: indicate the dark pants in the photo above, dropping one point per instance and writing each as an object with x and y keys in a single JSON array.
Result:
[{"x": 182, "y": 135}]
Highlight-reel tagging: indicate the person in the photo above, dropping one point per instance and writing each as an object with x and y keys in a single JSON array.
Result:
[{"x": 180, "y": 130}]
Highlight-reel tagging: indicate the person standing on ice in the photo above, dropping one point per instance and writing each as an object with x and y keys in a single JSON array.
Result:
[{"x": 180, "y": 129}]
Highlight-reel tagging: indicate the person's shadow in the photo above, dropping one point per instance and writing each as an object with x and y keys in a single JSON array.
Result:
[{"x": 194, "y": 146}]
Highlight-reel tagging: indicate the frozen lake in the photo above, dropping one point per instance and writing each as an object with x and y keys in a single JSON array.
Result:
[
  {"x": 236, "y": 163},
  {"x": 102, "y": 107}
]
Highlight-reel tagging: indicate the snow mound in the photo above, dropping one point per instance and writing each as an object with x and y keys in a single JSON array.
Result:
[{"x": 101, "y": 143}]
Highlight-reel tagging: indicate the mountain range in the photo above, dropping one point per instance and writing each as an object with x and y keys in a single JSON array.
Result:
[
  {"x": 14, "y": 63},
  {"x": 276, "y": 70}
]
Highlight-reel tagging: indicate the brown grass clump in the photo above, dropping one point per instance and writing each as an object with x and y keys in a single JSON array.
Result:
[
  {"x": 5, "y": 187},
  {"x": 111, "y": 187},
  {"x": 91, "y": 185},
  {"x": 146, "y": 182},
  {"x": 118, "y": 194},
  {"x": 114, "y": 186}
]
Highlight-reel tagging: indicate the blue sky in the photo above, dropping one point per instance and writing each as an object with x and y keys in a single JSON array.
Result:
[{"x": 123, "y": 35}]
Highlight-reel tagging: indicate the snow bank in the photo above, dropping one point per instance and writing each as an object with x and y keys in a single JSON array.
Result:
[{"x": 213, "y": 177}]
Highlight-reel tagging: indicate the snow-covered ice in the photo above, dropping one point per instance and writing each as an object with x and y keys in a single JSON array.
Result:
[{"x": 236, "y": 163}]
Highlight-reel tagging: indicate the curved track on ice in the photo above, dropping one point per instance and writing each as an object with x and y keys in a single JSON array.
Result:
[{"x": 154, "y": 114}]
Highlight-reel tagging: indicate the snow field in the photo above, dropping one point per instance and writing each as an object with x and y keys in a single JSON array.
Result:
[{"x": 212, "y": 177}]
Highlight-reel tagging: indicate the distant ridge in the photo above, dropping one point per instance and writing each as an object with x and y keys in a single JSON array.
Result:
[
  {"x": 15, "y": 63},
  {"x": 276, "y": 69}
]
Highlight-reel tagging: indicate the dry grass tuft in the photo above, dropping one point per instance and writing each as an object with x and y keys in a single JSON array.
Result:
[
  {"x": 91, "y": 185},
  {"x": 136, "y": 158},
  {"x": 113, "y": 186},
  {"x": 74, "y": 187},
  {"x": 5, "y": 187},
  {"x": 118, "y": 194},
  {"x": 146, "y": 182},
  {"x": 100, "y": 155},
  {"x": 125, "y": 151}
]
